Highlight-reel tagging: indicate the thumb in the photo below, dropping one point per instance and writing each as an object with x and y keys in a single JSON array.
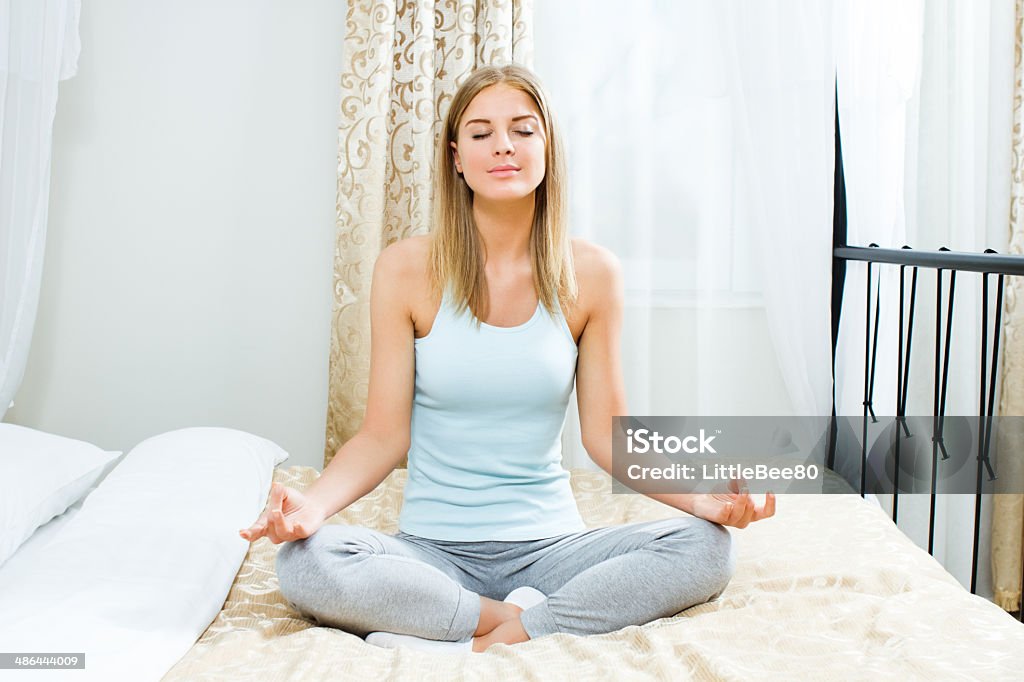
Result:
[{"x": 256, "y": 530}]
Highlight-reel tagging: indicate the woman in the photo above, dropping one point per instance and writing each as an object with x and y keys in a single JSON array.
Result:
[{"x": 478, "y": 332}]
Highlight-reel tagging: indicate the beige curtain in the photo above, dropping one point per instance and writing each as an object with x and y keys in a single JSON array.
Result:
[
  {"x": 1008, "y": 509},
  {"x": 403, "y": 62}
]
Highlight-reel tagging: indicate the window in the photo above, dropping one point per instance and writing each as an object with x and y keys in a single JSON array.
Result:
[{"x": 643, "y": 99}]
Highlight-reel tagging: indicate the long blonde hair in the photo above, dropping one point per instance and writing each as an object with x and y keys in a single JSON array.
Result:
[{"x": 456, "y": 250}]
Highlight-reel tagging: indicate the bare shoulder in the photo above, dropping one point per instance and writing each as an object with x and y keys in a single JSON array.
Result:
[
  {"x": 404, "y": 262},
  {"x": 598, "y": 271},
  {"x": 599, "y": 280},
  {"x": 593, "y": 255},
  {"x": 402, "y": 271},
  {"x": 406, "y": 255}
]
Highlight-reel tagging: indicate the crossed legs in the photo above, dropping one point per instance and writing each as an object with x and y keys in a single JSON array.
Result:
[{"x": 597, "y": 581}]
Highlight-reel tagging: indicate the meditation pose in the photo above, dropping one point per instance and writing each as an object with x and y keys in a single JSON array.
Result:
[{"x": 479, "y": 331}]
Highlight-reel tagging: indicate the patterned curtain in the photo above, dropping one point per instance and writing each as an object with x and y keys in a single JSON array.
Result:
[
  {"x": 1008, "y": 509},
  {"x": 404, "y": 61}
]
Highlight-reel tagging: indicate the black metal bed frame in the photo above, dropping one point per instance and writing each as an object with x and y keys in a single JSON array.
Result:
[{"x": 988, "y": 263}]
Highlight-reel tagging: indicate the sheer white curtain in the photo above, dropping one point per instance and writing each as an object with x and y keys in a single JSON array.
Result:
[
  {"x": 925, "y": 103},
  {"x": 700, "y": 137},
  {"x": 878, "y": 59},
  {"x": 39, "y": 46},
  {"x": 925, "y": 92}
]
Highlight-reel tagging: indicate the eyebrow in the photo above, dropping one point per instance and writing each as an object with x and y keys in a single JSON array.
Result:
[{"x": 517, "y": 118}]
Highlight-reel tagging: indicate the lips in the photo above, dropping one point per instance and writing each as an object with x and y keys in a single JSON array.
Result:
[{"x": 498, "y": 169}]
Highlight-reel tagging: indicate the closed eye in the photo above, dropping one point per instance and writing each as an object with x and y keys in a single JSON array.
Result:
[{"x": 524, "y": 133}]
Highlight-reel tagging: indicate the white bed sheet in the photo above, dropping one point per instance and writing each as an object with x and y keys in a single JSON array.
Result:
[{"x": 134, "y": 574}]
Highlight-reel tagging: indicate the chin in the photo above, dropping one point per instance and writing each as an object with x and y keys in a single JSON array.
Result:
[
  {"x": 507, "y": 197},
  {"x": 505, "y": 193}
]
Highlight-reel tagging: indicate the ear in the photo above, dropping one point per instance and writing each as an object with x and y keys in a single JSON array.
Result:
[{"x": 458, "y": 163}]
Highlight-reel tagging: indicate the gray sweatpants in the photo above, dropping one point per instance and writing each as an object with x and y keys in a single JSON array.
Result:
[{"x": 599, "y": 580}]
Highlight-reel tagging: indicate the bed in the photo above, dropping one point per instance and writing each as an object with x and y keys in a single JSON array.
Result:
[
  {"x": 147, "y": 576},
  {"x": 828, "y": 588}
]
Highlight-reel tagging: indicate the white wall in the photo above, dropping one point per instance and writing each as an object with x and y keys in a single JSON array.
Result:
[{"x": 187, "y": 278}]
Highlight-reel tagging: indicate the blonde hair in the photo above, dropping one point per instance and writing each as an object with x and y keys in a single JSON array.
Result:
[{"x": 456, "y": 250}]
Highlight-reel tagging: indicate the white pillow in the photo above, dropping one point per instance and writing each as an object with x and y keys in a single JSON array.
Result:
[
  {"x": 136, "y": 576},
  {"x": 41, "y": 475}
]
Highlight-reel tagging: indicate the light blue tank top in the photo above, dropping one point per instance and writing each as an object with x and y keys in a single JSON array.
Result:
[{"x": 488, "y": 410}]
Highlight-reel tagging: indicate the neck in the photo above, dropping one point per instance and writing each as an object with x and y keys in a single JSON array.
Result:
[{"x": 505, "y": 229}]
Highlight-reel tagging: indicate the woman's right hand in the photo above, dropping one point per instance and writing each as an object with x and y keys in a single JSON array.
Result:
[{"x": 290, "y": 515}]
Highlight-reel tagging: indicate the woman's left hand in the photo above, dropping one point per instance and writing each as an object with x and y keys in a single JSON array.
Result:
[{"x": 735, "y": 508}]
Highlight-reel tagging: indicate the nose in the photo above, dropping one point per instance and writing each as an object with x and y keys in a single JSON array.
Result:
[{"x": 503, "y": 145}]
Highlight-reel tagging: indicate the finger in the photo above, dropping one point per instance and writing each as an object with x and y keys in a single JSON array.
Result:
[
  {"x": 769, "y": 506},
  {"x": 281, "y": 524},
  {"x": 739, "y": 485},
  {"x": 275, "y": 527},
  {"x": 276, "y": 496},
  {"x": 750, "y": 510},
  {"x": 255, "y": 531},
  {"x": 253, "y": 536},
  {"x": 725, "y": 514},
  {"x": 764, "y": 511},
  {"x": 745, "y": 508},
  {"x": 272, "y": 534},
  {"x": 735, "y": 512}
]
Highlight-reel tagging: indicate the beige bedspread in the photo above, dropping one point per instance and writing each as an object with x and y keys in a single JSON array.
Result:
[{"x": 827, "y": 589}]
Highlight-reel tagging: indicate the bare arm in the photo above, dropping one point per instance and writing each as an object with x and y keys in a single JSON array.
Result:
[
  {"x": 600, "y": 391},
  {"x": 602, "y": 396},
  {"x": 383, "y": 438}
]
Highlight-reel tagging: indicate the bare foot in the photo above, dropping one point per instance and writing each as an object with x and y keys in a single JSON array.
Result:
[
  {"x": 493, "y": 613},
  {"x": 509, "y": 632}
]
